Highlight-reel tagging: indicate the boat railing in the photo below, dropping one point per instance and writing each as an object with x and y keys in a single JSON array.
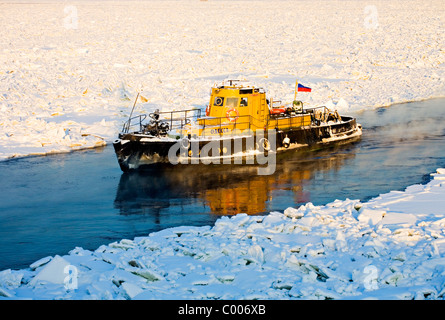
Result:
[
  {"x": 190, "y": 122},
  {"x": 211, "y": 126},
  {"x": 132, "y": 122},
  {"x": 318, "y": 115},
  {"x": 323, "y": 114},
  {"x": 288, "y": 121},
  {"x": 174, "y": 119}
]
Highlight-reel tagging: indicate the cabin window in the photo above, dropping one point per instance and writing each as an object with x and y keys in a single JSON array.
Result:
[
  {"x": 243, "y": 102},
  {"x": 245, "y": 91},
  {"x": 219, "y": 101},
  {"x": 232, "y": 102}
]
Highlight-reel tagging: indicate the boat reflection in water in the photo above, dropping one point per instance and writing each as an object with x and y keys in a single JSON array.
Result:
[{"x": 166, "y": 192}]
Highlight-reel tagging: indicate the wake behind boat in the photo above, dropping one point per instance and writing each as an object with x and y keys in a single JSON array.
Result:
[{"x": 239, "y": 122}]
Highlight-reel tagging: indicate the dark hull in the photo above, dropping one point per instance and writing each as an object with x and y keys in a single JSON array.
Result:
[{"x": 134, "y": 150}]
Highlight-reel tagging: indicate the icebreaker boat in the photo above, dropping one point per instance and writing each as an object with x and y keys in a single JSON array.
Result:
[{"x": 240, "y": 120}]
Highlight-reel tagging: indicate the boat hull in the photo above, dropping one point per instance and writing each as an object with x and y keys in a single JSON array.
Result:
[{"x": 136, "y": 151}]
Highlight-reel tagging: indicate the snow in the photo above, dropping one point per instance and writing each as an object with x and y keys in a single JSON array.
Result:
[
  {"x": 345, "y": 249},
  {"x": 68, "y": 77},
  {"x": 70, "y": 72}
]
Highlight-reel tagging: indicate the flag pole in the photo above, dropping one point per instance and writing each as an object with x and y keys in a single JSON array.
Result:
[
  {"x": 296, "y": 90},
  {"x": 297, "y": 105},
  {"x": 131, "y": 113}
]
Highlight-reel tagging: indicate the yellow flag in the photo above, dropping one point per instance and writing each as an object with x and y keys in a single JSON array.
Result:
[{"x": 143, "y": 99}]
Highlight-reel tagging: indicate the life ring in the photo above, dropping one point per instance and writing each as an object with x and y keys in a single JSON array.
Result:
[
  {"x": 230, "y": 117},
  {"x": 208, "y": 110}
]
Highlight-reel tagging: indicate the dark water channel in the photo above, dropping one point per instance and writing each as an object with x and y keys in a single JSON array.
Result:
[{"x": 51, "y": 204}]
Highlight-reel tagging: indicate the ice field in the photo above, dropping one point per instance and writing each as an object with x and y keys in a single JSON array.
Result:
[{"x": 70, "y": 71}]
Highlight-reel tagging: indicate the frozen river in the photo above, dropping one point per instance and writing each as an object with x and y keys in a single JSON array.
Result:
[{"x": 51, "y": 204}]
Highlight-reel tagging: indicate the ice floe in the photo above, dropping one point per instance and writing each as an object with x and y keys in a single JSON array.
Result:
[
  {"x": 68, "y": 86},
  {"x": 70, "y": 71},
  {"x": 343, "y": 250}
]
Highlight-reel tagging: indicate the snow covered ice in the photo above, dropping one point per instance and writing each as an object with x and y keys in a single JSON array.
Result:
[
  {"x": 67, "y": 81},
  {"x": 70, "y": 71},
  {"x": 392, "y": 247}
]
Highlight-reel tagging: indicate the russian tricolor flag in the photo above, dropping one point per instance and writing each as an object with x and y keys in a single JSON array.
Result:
[{"x": 302, "y": 88}]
